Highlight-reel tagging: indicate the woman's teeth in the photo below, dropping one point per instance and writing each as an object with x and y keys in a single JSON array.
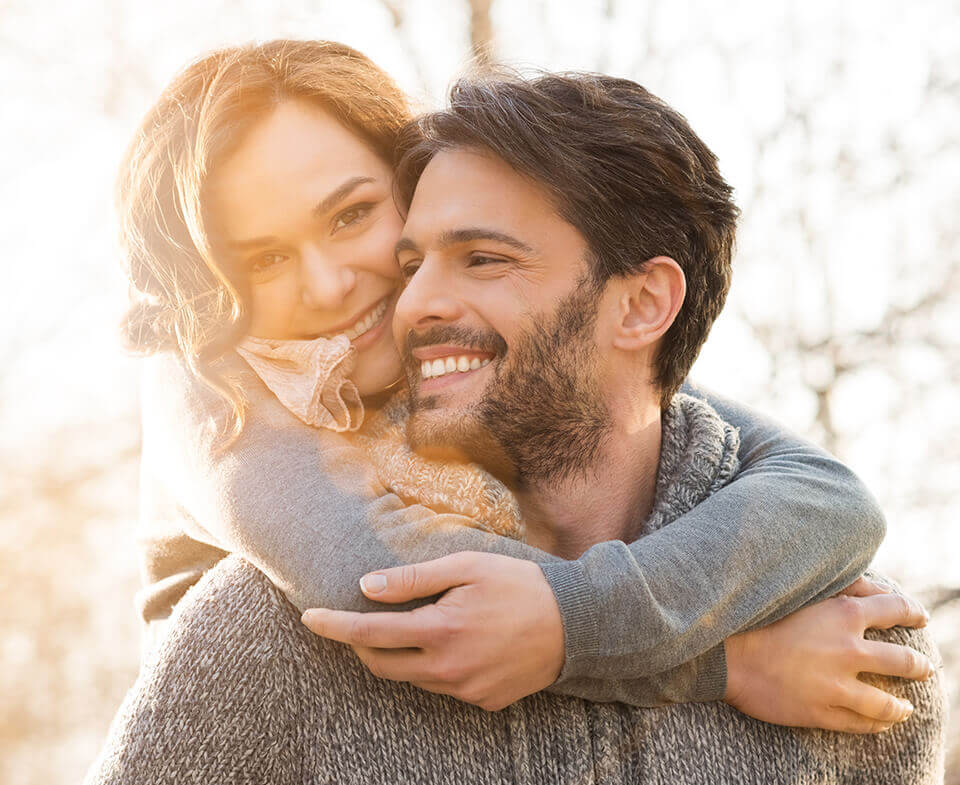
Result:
[
  {"x": 431, "y": 369},
  {"x": 368, "y": 322}
]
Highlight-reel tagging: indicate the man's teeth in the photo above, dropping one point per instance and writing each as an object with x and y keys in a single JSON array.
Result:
[
  {"x": 431, "y": 369},
  {"x": 369, "y": 321}
]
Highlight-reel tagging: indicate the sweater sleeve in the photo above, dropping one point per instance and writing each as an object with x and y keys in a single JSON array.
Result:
[
  {"x": 793, "y": 527},
  {"x": 645, "y": 622},
  {"x": 303, "y": 505}
]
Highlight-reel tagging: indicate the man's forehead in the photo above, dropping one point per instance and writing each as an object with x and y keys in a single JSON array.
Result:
[{"x": 470, "y": 187}]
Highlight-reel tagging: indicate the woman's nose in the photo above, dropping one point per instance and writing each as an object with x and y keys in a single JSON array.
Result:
[{"x": 325, "y": 282}]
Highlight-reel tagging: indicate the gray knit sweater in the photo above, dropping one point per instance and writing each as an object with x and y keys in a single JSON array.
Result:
[
  {"x": 240, "y": 692},
  {"x": 644, "y": 622}
]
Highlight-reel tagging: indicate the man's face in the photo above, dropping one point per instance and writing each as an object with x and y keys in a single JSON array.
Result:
[{"x": 496, "y": 324}]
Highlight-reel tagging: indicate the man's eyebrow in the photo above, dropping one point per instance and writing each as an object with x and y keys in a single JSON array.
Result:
[
  {"x": 405, "y": 244},
  {"x": 458, "y": 236},
  {"x": 466, "y": 235},
  {"x": 338, "y": 194}
]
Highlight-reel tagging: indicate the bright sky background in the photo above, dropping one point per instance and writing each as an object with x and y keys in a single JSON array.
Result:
[
  {"x": 77, "y": 76},
  {"x": 835, "y": 121}
]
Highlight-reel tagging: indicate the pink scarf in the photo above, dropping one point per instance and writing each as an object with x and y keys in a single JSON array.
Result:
[{"x": 309, "y": 378}]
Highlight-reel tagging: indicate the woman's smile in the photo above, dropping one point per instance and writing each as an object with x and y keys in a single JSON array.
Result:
[{"x": 358, "y": 325}]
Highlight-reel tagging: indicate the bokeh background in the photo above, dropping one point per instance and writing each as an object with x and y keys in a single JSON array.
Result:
[{"x": 836, "y": 122}]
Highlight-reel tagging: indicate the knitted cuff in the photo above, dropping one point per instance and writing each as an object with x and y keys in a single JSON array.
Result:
[
  {"x": 580, "y": 613},
  {"x": 711, "y": 675}
]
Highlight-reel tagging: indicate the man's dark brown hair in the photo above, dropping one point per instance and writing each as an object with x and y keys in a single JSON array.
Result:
[{"x": 619, "y": 164}]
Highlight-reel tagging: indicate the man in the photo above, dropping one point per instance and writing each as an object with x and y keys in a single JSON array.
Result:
[{"x": 573, "y": 232}]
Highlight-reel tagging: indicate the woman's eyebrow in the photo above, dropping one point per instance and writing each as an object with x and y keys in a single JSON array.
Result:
[
  {"x": 255, "y": 242},
  {"x": 338, "y": 194},
  {"x": 322, "y": 207}
]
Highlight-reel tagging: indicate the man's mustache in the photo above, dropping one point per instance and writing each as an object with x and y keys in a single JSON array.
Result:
[{"x": 478, "y": 340}]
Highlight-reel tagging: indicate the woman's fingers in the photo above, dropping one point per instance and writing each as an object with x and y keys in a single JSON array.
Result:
[
  {"x": 876, "y": 704},
  {"x": 883, "y": 611},
  {"x": 413, "y": 581},
  {"x": 847, "y": 721},
  {"x": 892, "y": 659},
  {"x": 395, "y": 664},
  {"x": 864, "y": 587},
  {"x": 381, "y": 630}
]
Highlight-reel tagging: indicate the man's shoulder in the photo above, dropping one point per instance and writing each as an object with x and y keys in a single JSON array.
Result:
[
  {"x": 237, "y": 591},
  {"x": 214, "y": 691}
]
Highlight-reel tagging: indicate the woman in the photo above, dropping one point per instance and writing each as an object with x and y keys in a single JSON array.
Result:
[{"x": 259, "y": 224}]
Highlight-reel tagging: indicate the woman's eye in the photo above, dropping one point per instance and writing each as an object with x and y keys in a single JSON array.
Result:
[
  {"x": 408, "y": 270},
  {"x": 267, "y": 261},
  {"x": 351, "y": 216}
]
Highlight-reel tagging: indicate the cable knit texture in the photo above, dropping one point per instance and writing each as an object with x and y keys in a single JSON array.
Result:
[
  {"x": 310, "y": 379},
  {"x": 443, "y": 486},
  {"x": 240, "y": 692}
]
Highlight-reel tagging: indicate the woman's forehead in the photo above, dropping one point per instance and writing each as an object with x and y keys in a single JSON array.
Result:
[{"x": 289, "y": 162}]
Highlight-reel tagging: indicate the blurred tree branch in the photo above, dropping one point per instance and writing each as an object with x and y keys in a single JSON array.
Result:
[
  {"x": 481, "y": 32},
  {"x": 397, "y": 11}
]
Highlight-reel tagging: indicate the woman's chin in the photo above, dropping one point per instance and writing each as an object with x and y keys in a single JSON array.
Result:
[
  {"x": 374, "y": 374},
  {"x": 375, "y": 386}
]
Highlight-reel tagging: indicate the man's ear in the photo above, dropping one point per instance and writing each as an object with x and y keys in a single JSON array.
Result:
[{"x": 648, "y": 302}]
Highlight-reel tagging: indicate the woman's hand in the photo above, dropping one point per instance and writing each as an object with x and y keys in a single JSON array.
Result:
[{"x": 802, "y": 670}]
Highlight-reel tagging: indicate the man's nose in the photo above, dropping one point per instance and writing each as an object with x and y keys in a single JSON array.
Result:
[
  {"x": 325, "y": 281},
  {"x": 429, "y": 298}
]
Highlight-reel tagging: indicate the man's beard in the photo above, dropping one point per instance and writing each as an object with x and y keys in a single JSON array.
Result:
[{"x": 542, "y": 418}]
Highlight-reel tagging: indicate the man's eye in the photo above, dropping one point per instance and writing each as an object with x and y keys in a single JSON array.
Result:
[
  {"x": 481, "y": 261},
  {"x": 267, "y": 261},
  {"x": 351, "y": 216}
]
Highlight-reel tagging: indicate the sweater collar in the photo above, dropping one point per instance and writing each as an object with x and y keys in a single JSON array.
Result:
[{"x": 698, "y": 456}]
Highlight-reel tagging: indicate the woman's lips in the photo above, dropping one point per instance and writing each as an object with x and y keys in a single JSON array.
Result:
[
  {"x": 379, "y": 328},
  {"x": 358, "y": 326}
]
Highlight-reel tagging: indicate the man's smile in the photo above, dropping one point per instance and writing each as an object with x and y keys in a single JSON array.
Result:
[{"x": 441, "y": 365}]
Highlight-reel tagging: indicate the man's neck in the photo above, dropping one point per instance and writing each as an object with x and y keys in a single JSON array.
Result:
[{"x": 607, "y": 501}]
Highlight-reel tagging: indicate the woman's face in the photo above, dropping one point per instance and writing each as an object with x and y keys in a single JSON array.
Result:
[{"x": 304, "y": 209}]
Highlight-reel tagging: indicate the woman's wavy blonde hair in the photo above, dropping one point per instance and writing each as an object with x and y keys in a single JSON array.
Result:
[{"x": 182, "y": 299}]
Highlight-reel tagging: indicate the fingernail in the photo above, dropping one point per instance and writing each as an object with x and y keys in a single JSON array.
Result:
[
  {"x": 929, "y": 671},
  {"x": 374, "y": 583},
  {"x": 309, "y": 615},
  {"x": 907, "y": 708}
]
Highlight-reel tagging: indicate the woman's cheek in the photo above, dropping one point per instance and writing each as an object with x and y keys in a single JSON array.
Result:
[
  {"x": 379, "y": 244},
  {"x": 274, "y": 305}
]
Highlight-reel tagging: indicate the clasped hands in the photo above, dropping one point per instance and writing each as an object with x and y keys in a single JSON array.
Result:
[{"x": 496, "y": 635}]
